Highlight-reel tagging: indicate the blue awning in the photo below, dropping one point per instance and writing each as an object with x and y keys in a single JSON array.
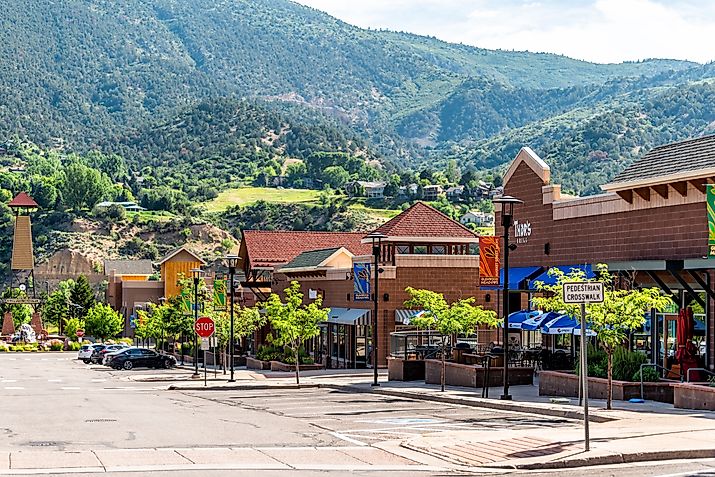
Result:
[
  {"x": 349, "y": 316},
  {"x": 519, "y": 278},
  {"x": 551, "y": 280}
]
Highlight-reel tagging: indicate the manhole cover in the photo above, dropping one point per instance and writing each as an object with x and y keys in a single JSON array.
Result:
[{"x": 100, "y": 420}]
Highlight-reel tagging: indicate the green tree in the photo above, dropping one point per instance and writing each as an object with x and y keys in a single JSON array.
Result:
[
  {"x": 621, "y": 312},
  {"x": 294, "y": 322},
  {"x": 459, "y": 318},
  {"x": 83, "y": 186},
  {"x": 71, "y": 325},
  {"x": 82, "y": 297},
  {"x": 335, "y": 176},
  {"x": 103, "y": 322},
  {"x": 20, "y": 313},
  {"x": 452, "y": 172},
  {"x": 56, "y": 307}
]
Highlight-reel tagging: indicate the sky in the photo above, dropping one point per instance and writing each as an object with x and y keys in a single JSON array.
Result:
[{"x": 602, "y": 31}]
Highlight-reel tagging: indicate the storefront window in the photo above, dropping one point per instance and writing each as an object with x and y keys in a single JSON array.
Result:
[
  {"x": 404, "y": 249},
  {"x": 420, "y": 249},
  {"x": 439, "y": 250}
]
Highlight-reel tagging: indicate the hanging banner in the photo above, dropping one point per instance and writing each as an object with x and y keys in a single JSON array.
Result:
[
  {"x": 488, "y": 261},
  {"x": 186, "y": 304},
  {"x": 711, "y": 220},
  {"x": 220, "y": 292},
  {"x": 361, "y": 281}
]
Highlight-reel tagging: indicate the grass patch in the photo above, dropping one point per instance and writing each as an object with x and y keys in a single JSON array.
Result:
[
  {"x": 250, "y": 195},
  {"x": 152, "y": 214}
]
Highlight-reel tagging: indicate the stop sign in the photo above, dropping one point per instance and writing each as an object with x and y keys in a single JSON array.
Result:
[{"x": 204, "y": 327}]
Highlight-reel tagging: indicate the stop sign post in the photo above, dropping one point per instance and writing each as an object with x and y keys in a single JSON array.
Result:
[{"x": 204, "y": 327}]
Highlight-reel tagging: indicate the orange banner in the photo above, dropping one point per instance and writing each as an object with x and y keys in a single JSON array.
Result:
[{"x": 488, "y": 261}]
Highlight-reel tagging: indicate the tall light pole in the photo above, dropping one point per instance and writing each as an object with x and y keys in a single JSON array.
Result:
[
  {"x": 196, "y": 274},
  {"x": 232, "y": 261},
  {"x": 507, "y": 213},
  {"x": 376, "y": 239}
]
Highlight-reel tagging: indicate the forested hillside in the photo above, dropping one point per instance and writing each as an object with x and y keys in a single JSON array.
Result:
[{"x": 159, "y": 82}]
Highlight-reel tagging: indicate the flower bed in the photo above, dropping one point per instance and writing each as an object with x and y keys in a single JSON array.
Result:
[
  {"x": 254, "y": 363},
  {"x": 694, "y": 396},
  {"x": 280, "y": 366},
  {"x": 560, "y": 383},
  {"x": 399, "y": 369},
  {"x": 469, "y": 375}
]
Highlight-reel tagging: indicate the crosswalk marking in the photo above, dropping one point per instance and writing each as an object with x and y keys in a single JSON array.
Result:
[{"x": 13, "y": 387}]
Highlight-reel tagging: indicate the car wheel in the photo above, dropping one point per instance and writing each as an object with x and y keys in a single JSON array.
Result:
[
  {"x": 128, "y": 365},
  {"x": 167, "y": 364},
  {"x": 86, "y": 361}
]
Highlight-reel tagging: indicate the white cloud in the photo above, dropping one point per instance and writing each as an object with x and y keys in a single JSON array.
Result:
[{"x": 594, "y": 30}]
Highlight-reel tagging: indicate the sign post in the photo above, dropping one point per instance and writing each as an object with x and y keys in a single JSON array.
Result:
[
  {"x": 205, "y": 328},
  {"x": 582, "y": 293}
]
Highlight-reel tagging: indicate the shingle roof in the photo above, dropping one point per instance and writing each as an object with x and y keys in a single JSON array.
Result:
[
  {"x": 271, "y": 248},
  {"x": 311, "y": 258},
  {"x": 23, "y": 200},
  {"x": 422, "y": 220},
  {"x": 670, "y": 159},
  {"x": 128, "y": 267}
]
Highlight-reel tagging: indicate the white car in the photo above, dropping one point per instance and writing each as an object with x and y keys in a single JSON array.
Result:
[{"x": 85, "y": 352}]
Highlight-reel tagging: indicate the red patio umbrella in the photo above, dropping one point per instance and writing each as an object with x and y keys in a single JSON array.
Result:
[{"x": 685, "y": 354}]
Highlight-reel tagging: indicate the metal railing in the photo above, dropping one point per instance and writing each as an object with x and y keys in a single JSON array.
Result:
[{"x": 687, "y": 375}]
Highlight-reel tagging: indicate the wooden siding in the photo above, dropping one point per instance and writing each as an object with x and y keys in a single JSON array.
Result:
[
  {"x": 170, "y": 272},
  {"x": 22, "y": 258}
]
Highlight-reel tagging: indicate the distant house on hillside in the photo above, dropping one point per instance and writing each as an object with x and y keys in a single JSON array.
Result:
[
  {"x": 432, "y": 192},
  {"x": 478, "y": 218},
  {"x": 455, "y": 193},
  {"x": 408, "y": 191},
  {"x": 371, "y": 190},
  {"x": 128, "y": 206}
]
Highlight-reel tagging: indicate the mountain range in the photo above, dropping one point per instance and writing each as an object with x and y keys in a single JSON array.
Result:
[{"x": 116, "y": 75}]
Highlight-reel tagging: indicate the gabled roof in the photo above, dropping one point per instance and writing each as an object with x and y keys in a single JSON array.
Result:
[
  {"x": 266, "y": 249},
  {"x": 179, "y": 250},
  {"x": 672, "y": 162},
  {"x": 23, "y": 200},
  {"x": 424, "y": 221},
  {"x": 530, "y": 158},
  {"x": 128, "y": 267},
  {"x": 314, "y": 259}
]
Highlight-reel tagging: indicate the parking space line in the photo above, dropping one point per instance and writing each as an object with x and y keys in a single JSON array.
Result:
[
  {"x": 70, "y": 388},
  {"x": 13, "y": 387}
]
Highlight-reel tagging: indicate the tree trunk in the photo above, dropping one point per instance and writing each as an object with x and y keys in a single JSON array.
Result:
[
  {"x": 444, "y": 365},
  {"x": 609, "y": 389},
  {"x": 297, "y": 367}
]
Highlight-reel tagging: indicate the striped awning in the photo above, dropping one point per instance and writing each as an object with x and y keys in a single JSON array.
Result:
[
  {"x": 349, "y": 316},
  {"x": 404, "y": 317}
]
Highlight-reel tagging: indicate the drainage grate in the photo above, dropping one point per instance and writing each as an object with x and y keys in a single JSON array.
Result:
[
  {"x": 100, "y": 420},
  {"x": 42, "y": 444}
]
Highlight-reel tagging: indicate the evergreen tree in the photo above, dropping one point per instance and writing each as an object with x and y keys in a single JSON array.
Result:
[{"x": 82, "y": 297}]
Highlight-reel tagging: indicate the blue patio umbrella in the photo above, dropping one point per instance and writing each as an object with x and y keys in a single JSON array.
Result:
[
  {"x": 518, "y": 317},
  {"x": 563, "y": 325},
  {"x": 589, "y": 331},
  {"x": 534, "y": 323}
]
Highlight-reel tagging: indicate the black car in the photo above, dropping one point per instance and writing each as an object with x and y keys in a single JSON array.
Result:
[{"x": 141, "y": 358}]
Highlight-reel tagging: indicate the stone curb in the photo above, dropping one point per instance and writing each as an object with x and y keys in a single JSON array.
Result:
[
  {"x": 242, "y": 387},
  {"x": 489, "y": 404},
  {"x": 621, "y": 458}
]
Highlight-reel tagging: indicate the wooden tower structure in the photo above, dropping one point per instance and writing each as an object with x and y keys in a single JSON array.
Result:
[{"x": 23, "y": 259}]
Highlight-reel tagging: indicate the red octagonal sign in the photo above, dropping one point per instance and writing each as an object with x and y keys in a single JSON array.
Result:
[{"x": 204, "y": 327}]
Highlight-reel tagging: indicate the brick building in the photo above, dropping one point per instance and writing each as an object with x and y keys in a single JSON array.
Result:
[
  {"x": 423, "y": 248},
  {"x": 650, "y": 226}
]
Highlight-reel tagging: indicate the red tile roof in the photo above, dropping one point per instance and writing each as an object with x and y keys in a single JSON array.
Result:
[
  {"x": 23, "y": 200},
  {"x": 422, "y": 220},
  {"x": 270, "y": 248}
]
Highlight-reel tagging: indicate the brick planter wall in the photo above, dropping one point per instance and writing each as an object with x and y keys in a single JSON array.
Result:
[
  {"x": 468, "y": 375},
  {"x": 253, "y": 363},
  {"x": 694, "y": 396},
  {"x": 399, "y": 369},
  {"x": 558, "y": 383},
  {"x": 279, "y": 366}
]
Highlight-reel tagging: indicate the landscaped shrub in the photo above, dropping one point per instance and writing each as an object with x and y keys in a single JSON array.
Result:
[
  {"x": 650, "y": 375},
  {"x": 56, "y": 345},
  {"x": 74, "y": 346},
  {"x": 627, "y": 363},
  {"x": 269, "y": 353},
  {"x": 4, "y": 348}
]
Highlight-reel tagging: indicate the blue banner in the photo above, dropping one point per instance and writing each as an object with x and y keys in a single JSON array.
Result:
[{"x": 361, "y": 281}]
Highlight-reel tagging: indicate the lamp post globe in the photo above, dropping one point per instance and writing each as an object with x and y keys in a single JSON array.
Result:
[
  {"x": 507, "y": 204},
  {"x": 376, "y": 239},
  {"x": 232, "y": 262}
]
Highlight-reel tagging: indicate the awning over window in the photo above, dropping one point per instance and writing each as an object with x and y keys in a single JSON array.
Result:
[
  {"x": 551, "y": 280},
  {"x": 404, "y": 317},
  {"x": 349, "y": 316},
  {"x": 519, "y": 277}
]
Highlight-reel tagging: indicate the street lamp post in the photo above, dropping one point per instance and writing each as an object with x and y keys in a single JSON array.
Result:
[
  {"x": 507, "y": 213},
  {"x": 376, "y": 238},
  {"x": 232, "y": 262},
  {"x": 196, "y": 274}
]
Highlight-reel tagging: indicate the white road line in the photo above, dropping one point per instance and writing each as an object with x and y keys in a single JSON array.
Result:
[
  {"x": 13, "y": 387},
  {"x": 69, "y": 388},
  {"x": 98, "y": 380},
  {"x": 9, "y": 380},
  {"x": 348, "y": 439},
  {"x": 13, "y": 359},
  {"x": 54, "y": 380}
]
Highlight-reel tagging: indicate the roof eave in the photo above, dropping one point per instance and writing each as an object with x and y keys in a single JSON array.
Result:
[{"x": 651, "y": 181}]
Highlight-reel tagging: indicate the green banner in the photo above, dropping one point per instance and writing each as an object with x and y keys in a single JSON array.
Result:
[
  {"x": 219, "y": 293},
  {"x": 186, "y": 305},
  {"x": 711, "y": 220}
]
